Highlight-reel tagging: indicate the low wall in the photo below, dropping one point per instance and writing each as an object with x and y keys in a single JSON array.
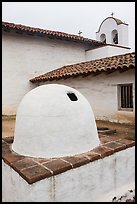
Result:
[{"x": 99, "y": 180}]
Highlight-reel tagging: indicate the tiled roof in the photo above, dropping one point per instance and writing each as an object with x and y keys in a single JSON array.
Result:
[
  {"x": 18, "y": 28},
  {"x": 108, "y": 64},
  {"x": 118, "y": 21}
]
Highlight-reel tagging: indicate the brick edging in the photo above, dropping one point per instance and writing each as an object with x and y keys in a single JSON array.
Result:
[{"x": 35, "y": 169}]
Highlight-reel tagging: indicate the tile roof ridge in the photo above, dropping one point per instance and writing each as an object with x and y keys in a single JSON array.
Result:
[{"x": 47, "y": 31}]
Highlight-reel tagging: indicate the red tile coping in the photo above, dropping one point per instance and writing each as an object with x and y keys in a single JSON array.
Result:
[{"x": 35, "y": 169}]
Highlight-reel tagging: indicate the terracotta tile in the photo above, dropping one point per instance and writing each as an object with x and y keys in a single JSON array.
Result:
[
  {"x": 115, "y": 146},
  {"x": 57, "y": 166},
  {"x": 102, "y": 151},
  {"x": 23, "y": 164},
  {"x": 41, "y": 160},
  {"x": 77, "y": 161},
  {"x": 10, "y": 157},
  {"x": 128, "y": 143},
  {"x": 92, "y": 156},
  {"x": 31, "y": 171},
  {"x": 107, "y": 64},
  {"x": 5, "y": 149},
  {"x": 48, "y": 33},
  {"x": 35, "y": 173}
]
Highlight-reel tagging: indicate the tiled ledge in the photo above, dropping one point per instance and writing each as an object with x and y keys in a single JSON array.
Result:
[{"x": 34, "y": 169}]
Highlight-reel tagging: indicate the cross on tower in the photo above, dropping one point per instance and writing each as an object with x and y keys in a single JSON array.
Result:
[
  {"x": 112, "y": 14},
  {"x": 79, "y": 32}
]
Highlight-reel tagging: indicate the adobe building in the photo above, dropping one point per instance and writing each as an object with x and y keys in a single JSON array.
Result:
[{"x": 103, "y": 70}]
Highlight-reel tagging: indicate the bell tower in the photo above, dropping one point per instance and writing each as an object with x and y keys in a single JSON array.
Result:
[{"x": 113, "y": 31}]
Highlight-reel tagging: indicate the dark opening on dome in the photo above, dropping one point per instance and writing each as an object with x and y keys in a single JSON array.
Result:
[{"x": 72, "y": 96}]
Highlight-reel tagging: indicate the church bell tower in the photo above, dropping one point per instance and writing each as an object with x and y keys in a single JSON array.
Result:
[{"x": 113, "y": 31}]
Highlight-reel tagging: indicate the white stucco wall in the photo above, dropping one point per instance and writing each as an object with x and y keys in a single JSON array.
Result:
[
  {"x": 106, "y": 51},
  {"x": 24, "y": 57},
  {"x": 98, "y": 181},
  {"x": 107, "y": 26},
  {"x": 101, "y": 92},
  {"x": 123, "y": 35}
]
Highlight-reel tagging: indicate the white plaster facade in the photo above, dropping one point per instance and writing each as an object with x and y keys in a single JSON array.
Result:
[
  {"x": 98, "y": 181},
  {"x": 48, "y": 121},
  {"x": 108, "y": 26},
  {"x": 102, "y": 93},
  {"x": 25, "y": 56},
  {"x": 106, "y": 51}
]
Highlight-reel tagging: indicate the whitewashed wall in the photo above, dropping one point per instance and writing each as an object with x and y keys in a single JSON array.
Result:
[
  {"x": 98, "y": 181},
  {"x": 123, "y": 34},
  {"x": 106, "y": 51},
  {"x": 101, "y": 92},
  {"x": 108, "y": 26},
  {"x": 24, "y": 57}
]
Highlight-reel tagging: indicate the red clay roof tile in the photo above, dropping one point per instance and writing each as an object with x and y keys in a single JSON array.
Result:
[
  {"x": 121, "y": 62},
  {"x": 6, "y": 26}
]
